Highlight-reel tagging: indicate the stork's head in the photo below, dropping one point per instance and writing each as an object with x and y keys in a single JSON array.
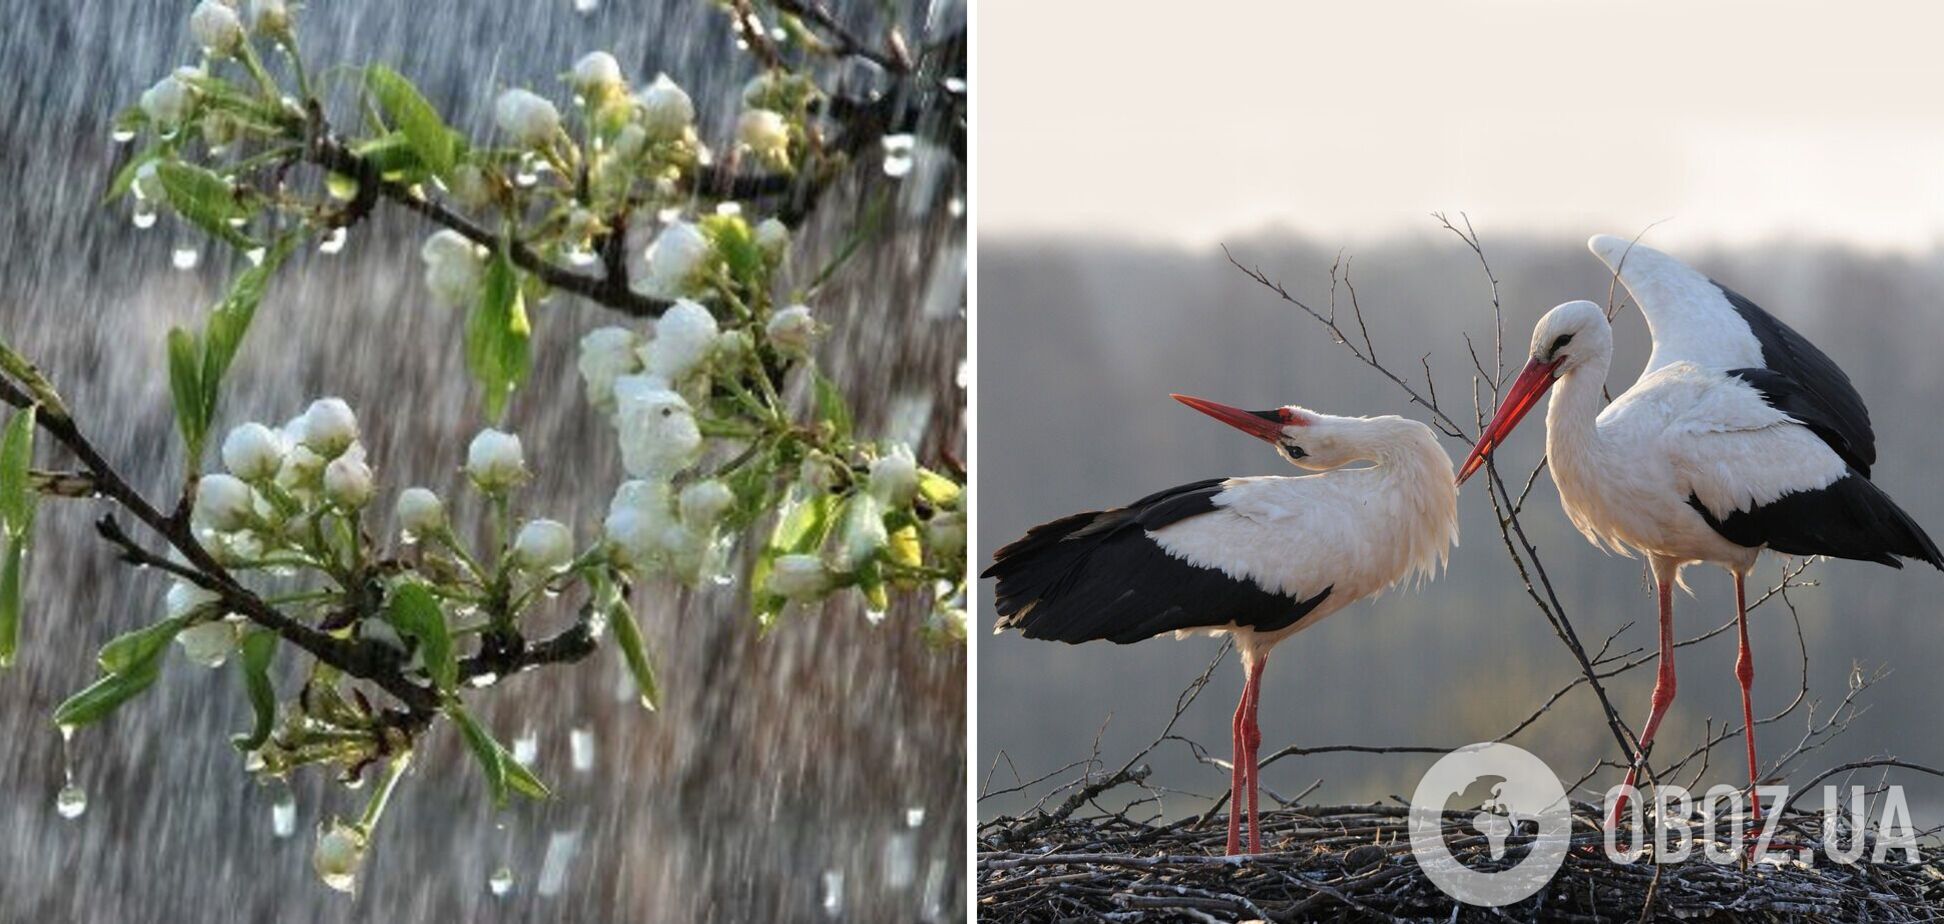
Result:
[
  {"x": 1567, "y": 338},
  {"x": 1307, "y": 439}
]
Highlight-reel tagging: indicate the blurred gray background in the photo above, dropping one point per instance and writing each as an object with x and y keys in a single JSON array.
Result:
[
  {"x": 815, "y": 773},
  {"x": 1081, "y": 342}
]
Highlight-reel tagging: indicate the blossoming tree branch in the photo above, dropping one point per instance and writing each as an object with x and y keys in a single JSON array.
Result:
[{"x": 729, "y": 432}]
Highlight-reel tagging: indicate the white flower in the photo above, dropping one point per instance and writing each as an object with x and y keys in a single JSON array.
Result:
[
  {"x": 675, "y": 257},
  {"x": 606, "y": 354},
  {"x": 253, "y": 452},
  {"x": 945, "y": 535},
  {"x": 494, "y": 460},
  {"x": 666, "y": 111},
  {"x": 765, "y": 134},
  {"x": 543, "y": 545},
  {"x": 684, "y": 337},
  {"x": 658, "y": 434},
  {"x": 329, "y": 427},
  {"x": 340, "y": 851},
  {"x": 792, "y": 330},
  {"x": 894, "y": 477},
  {"x": 597, "y": 74},
  {"x": 704, "y": 502},
  {"x": 470, "y": 187},
  {"x": 184, "y": 598},
  {"x": 863, "y": 535},
  {"x": 167, "y": 103},
  {"x": 208, "y": 643},
  {"x": 224, "y": 503},
  {"x": 420, "y": 512},
  {"x": 301, "y": 466},
  {"x": 797, "y": 577},
  {"x": 270, "y": 18},
  {"x": 347, "y": 482},
  {"x": 774, "y": 237},
  {"x": 526, "y": 117},
  {"x": 217, "y": 28},
  {"x": 687, "y": 550},
  {"x": 454, "y": 266},
  {"x": 630, "y": 141},
  {"x": 637, "y": 520}
]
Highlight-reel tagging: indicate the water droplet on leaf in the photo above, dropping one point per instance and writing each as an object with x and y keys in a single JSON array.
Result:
[
  {"x": 123, "y": 135},
  {"x": 501, "y": 881},
  {"x": 185, "y": 258},
  {"x": 333, "y": 242}
]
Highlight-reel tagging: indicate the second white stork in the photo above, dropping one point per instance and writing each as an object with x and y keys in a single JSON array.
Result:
[
  {"x": 1257, "y": 558},
  {"x": 1705, "y": 462}
]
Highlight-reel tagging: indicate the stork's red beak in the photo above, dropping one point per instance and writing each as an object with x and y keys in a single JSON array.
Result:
[
  {"x": 1263, "y": 425},
  {"x": 1527, "y": 389}
]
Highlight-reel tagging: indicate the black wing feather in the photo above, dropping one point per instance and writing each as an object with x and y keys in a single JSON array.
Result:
[
  {"x": 1098, "y": 575},
  {"x": 1851, "y": 518},
  {"x": 1791, "y": 355}
]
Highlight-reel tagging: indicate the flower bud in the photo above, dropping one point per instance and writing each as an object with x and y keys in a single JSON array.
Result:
[
  {"x": 340, "y": 851},
  {"x": 167, "y": 103},
  {"x": 863, "y": 534},
  {"x": 894, "y": 477},
  {"x": 271, "y": 19},
  {"x": 704, "y": 502},
  {"x": 637, "y": 519},
  {"x": 630, "y": 141},
  {"x": 184, "y": 598},
  {"x": 526, "y": 117},
  {"x": 217, "y": 28},
  {"x": 666, "y": 111},
  {"x": 797, "y": 577},
  {"x": 765, "y": 134},
  {"x": 945, "y": 536},
  {"x": 792, "y": 330},
  {"x": 773, "y": 237},
  {"x": 471, "y": 187},
  {"x": 208, "y": 643},
  {"x": 675, "y": 259},
  {"x": 253, "y": 452},
  {"x": 224, "y": 503},
  {"x": 543, "y": 546},
  {"x": 329, "y": 427},
  {"x": 607, "y": 354},
  {"x": 494, "y": 461},
  {"x": 658, "y": 434},
  {"x": 597, "y": 75},
  {"x": 684, "y": 337},
  {"x": 420, "y": 512},
  {"x": 347, "y": 482}
]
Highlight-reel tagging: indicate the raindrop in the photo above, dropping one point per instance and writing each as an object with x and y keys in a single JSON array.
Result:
[
  {"x": 71, "y": 801},
  {"x": 833, "y": 894},
  {"x": 668, "y": 216},
  {"x": 874, "y": 616},
  {"x": 526, "y": 747},
  {"x": 185, "y": 258},
  {"x": 580, "y": 747},
  {"x": 144, "y": 213},
  {"x": 900, "y": 861},
  {"x": 561, "y": 847},
  {"x": 283, "y": 814},
  {"x": 254, "y": 255},
  {"x": 501, "y": 882},
  {"x": 934, "y": 903},
  {"x": 728, "y": 208},
  {"x": 485, "y": 680},
  {"x": 333, "y": 242},
  {"x": 914, "y": 816},
  {"x": 897, "y": 155},
  {"x": 123, "y": 135},
  {"x": 956, "y": 207},
  {"x": 586, "y": 6}
]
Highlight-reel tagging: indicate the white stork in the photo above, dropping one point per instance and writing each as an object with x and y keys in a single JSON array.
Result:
[
  {"x": 1739, "y": 436},
  {"x": 1259, "y": 558}
]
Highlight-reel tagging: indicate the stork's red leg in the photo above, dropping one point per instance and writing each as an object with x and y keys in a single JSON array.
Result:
[
  {"x": 1745, "y": 673},
  {"x": 1252, "y": 738},
  {"x": 1238, "y": 753},
  {"x": 1663, "y": 687}
]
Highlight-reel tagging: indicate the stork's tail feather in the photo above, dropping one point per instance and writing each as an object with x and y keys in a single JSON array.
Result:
[
  {"x": 1031, "y": 567},
  {"x": 1851, "y": 518}
]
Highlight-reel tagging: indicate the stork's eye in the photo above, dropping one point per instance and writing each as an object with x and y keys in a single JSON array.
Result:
[
  {"x": 1292, "y": 450},
  {"x": 1559, "y": 343}
]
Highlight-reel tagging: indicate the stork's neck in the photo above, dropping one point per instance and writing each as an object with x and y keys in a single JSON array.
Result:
[{"x": 1574, "y": 448}]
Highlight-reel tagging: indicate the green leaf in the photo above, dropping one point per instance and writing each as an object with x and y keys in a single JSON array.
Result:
[
  {"x": 11, "y": 577},
  {"x": 831, "y": 406},
  {"x": 206, "y": 199},
  {"x": 129, "y": 652},
  {"x": 434, "y": 143},
  {"x": 635, "y": 651},
  {"x": 940, "y": 490},
  {"x": 230, "y": 321},
  {"x": 502, "y": 771},
  {"x": 103, "y": 696},
  {"x": 806, "y": 519},
  {"x": 185, "y": 385},
  {"x": 259, "y": 649},
  {"x": 497, "y": 335},
  {"x": 125, "y": 177},
  {"x": 415, "y": 613},
  {"x": 16, "y": 454},
  {"x": 392, "y": 156}
]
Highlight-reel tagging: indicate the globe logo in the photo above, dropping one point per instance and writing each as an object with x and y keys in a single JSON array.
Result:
[{"x": 1524, "y": 807}]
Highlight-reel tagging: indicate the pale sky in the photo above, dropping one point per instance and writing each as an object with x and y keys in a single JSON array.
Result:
[{"x": 1187, "y": 122}]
